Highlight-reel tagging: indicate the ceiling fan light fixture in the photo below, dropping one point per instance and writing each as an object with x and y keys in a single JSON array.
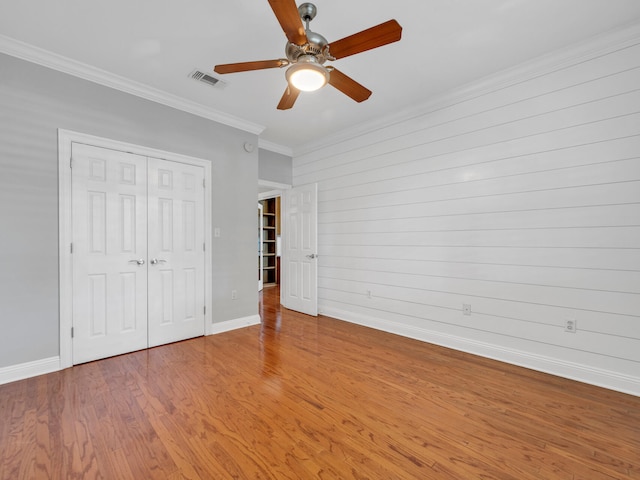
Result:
[{"x": 307, "y": 75}]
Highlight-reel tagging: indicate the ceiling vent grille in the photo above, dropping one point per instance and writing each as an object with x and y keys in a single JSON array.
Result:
[{"x": 206, "y": 78}]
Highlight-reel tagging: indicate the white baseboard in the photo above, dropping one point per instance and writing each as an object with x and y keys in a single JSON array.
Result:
[
  {"x": 48, "y": 365},
  {"x": 593, "y": 376},
  {"x": 234, "y": 324},
  {"x": 29, "y": 369}
]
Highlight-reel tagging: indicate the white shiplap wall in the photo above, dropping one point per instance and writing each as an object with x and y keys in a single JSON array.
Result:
[{"x": 522, "y": 200}]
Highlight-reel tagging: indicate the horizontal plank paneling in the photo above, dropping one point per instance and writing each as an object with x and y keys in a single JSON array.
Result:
[
  {"x": 420, "y": 314},
  {"x": 578, "y": 258},
  {"x": 522, "y": 200},
  {"x": 594, "y": 237},
  {"x": 595, "y": 322},
  {"x": 468, "y": 149},
  {"x": 622, "y": 303},
  {"x": 585, "y": 216},
  {"x": 578, "y": 196},
  {"x": 588, "y": 279},
  {"x": 564, "y": 81},
  {"x": 497, "y": 181}
]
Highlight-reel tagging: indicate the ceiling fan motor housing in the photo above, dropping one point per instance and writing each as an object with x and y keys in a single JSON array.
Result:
[{"x": 316, "y": 45}]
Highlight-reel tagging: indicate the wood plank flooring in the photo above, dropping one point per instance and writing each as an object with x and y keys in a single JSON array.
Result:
[{"x": 312, "y": 398}]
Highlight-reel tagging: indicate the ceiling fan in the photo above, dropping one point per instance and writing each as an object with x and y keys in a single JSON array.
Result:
[{"x": 307, "y": 51}]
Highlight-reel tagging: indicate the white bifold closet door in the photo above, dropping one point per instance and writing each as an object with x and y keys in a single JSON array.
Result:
[{"x": 138, "y": 252}]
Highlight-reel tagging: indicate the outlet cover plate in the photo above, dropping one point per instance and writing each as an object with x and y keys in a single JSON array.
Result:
[{"x": 570, "y": 325}]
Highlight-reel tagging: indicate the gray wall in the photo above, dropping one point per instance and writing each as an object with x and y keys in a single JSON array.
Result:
[
  {"x": 34, "y": 103},
  {"x": 275, "y": 167}
]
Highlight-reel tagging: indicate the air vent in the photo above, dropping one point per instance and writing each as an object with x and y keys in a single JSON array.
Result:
[{"x": 206, "y": 78}]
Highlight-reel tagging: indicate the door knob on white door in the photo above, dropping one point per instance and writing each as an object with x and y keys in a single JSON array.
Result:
[
  {"x": 139, "y": 262},
  {"x": 155, "y": 261},
  {"x": 312, "y": 256}
]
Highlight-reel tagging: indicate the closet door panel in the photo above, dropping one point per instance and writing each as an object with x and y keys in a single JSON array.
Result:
[
  {"x": 109, "y": 216},
  {"x": 176, "y": 251}
]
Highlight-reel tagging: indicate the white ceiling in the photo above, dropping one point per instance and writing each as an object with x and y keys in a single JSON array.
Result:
[{"x": 445, "y": 44}]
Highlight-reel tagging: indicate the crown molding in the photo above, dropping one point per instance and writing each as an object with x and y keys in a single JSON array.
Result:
[
  {"x": 598, "y": 45},
  {"x": 275, "y": 147},
  {"x": 45, "y": 58}
]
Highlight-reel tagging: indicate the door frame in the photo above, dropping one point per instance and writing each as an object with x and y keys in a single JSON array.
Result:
[
  {"x": 260, "y": 248},
  {"x": 65, "y": 140},
  {"x": 278, "y": 190}
]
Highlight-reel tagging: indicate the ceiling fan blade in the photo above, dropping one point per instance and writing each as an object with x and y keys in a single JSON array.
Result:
[
  {"x": 246, "y": 66},
  {"x": 289, "y": 98},
  {"x": 348, "y": 86},
  {"x": 374, "y": 37},
  {"x": 287, "y": 14}
]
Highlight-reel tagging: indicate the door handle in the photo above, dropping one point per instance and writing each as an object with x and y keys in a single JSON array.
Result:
[
  {"x": 312, "y": 256},
  {"x": 155, "y": 261},
  {"x": 139, "y": 262}
]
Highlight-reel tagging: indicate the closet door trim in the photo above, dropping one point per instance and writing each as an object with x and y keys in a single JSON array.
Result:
[{"x": 65, "y": 140}]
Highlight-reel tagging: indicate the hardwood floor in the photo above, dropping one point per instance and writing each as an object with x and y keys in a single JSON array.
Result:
[{"x": 305, "y": 398}]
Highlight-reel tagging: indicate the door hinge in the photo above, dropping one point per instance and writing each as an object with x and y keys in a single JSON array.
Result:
[
  {"x": 71, "y": 332},
  {"x": 204, "y": 185},
  {"x": 204, "y": 309},
  {"x": 71, "y": 247},
  {"x": 204, "y": 247},
  {"x": 71, "y": 163}
]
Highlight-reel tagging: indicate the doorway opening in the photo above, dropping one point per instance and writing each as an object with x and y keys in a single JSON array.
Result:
[
  {"x": 298, "y": 270},
  {"x": 269, "y": 250}
]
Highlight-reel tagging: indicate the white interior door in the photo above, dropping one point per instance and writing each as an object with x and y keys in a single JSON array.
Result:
[
  {"x": 176, "y": 251},
  {"x": 138, "y": 252},
  {"x": 300, "y": 249},
  {"x": 109, "y": 217}
]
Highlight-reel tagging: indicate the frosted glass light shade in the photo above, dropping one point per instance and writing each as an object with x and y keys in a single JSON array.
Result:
[{"x": 307, "y": 75}]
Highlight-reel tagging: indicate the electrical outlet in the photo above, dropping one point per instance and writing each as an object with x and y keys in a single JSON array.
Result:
[
  {"x": 570, "y": 325},
  {"x": 466, "y": 309},
  {"x": 234, "y": 294}
]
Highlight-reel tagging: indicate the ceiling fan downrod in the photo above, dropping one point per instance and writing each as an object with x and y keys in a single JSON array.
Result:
[
  {"x": 308, "y": 12},
  {"x": 316, "y": 45}
]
